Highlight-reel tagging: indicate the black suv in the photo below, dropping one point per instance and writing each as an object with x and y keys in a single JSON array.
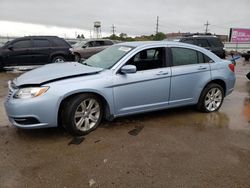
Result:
[
  {"x": 209, "y": 42},
  {"x": 35, "y": 50}
]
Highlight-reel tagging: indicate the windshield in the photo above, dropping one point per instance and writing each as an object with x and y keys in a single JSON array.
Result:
[{"x": 108, "y": 57}]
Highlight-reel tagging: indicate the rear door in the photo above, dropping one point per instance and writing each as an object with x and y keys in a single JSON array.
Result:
[
  {"x": 190, "y": 73},
  {"x": 19, "y": 54},
  {"x": 41, "y": 51}
]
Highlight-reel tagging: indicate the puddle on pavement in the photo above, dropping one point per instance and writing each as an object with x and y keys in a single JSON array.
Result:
[
  {"x": 97, "y": 141},
  {"x": 136, "y": 130},
  {"x": 76, "y": 141}
]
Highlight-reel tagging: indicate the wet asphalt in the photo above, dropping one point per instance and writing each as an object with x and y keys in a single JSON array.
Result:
[{"x": 172, "y": 148}]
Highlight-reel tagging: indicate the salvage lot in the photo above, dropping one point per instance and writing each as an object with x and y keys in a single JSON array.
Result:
[{"x": 171, "y": 148}]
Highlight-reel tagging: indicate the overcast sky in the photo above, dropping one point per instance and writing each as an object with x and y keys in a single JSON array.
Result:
[{"x": 134, "y": 17}]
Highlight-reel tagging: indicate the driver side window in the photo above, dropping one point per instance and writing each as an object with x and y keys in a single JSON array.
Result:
[
  {"x": 148, "y": 59},
  {"x": 22, "y": 44}
]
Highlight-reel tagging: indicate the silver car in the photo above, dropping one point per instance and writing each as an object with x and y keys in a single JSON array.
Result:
[{"x": 124, "y": 79}]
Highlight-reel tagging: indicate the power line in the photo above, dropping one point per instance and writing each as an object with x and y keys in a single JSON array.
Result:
[
  {"x": 206, "y": 24},
  {"x": 157, "y": 25},
  {"x": 113, "y": 29}
]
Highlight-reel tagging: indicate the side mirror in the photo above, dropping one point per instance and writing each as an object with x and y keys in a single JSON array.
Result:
[
  {"x": 84, "y": 46},
  {"x": 10, "y": 47},
  {"x": 128, "y": 69}
]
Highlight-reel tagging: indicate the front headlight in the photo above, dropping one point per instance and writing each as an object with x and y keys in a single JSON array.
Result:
[{"x": 30, "y": 92}]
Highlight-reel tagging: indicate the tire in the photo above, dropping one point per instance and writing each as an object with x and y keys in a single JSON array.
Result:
[
  {"x": 77, "y": 58},
  {"x": 82, "y": 114},
  {"x": 1, "y": 66},
  {"x": 58, "y": 59},
  {"x": 211, "y": 98},
  {"x": 248, "y": 76}
]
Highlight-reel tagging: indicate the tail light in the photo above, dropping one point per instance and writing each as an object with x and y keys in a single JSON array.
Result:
[{"x": 231, "y": 67}]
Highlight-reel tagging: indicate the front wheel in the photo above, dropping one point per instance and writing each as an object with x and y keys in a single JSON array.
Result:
[
  {"x": 1, "y": 66},
  {"x": 82, "y": 114},
  {"x": 211, "y": 98}
]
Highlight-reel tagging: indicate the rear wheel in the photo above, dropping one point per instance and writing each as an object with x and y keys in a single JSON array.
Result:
[
  {"x": 1, "y": 66},
  {"x": 82, "y": 114},
  {"x": 58, "y": 59},
  {"x": 211, "y": 98}
]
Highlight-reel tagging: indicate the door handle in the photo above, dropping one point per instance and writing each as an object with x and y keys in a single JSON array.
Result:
[
  {"x": 162, "y": 73},
  {"x": 202, "y": 68}
]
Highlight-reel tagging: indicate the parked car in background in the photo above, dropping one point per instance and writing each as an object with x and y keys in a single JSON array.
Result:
[
  {"x": 35, "y": 50},
  {"x": 124, "y": 79},
  {"x": 210, "y": 42},
  {"x": 88, "y": 47},
  {"x": 246, "y": 55},
  {"x": 72, "y": 42}
]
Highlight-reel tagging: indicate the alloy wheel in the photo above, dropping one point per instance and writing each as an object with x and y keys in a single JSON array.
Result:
[
  {"x": 213, "y": 99},
  {"x": 87, "y": 114}
]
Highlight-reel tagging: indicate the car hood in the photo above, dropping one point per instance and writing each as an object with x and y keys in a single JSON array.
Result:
[{"x": 53, "y": 72}]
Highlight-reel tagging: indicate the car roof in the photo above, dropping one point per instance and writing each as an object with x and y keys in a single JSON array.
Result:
[
  {"x": 37, "y": 36},
  {"x": 149, "y": 43},
  {"x": 96, "y": 40},
  {"x": 142, "y": 44},
  {"x": 201, "y": 36}
]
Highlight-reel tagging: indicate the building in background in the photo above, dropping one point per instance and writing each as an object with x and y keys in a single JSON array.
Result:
[{"x": 173, "y": 36}]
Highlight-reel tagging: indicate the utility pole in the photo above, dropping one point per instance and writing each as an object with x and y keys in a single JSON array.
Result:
[
  {"x": 157, "y": 25},
  {"x": 90, "y": 33},
  {"x": 113, "y": 30},
  {"x": 206, "y": 24}
]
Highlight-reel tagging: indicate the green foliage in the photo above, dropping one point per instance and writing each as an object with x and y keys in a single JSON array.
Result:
[
  {"x": 125, "y": 37},
  {"x": 160, "y": 36},
  {"x": 80, "y": 36}
]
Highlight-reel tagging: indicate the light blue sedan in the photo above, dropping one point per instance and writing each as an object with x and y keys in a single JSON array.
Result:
[{"x": 124, "y": 79}]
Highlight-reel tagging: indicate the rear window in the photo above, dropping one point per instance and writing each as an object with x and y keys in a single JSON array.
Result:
[
  {"x": 215, "y": 42},
  {"x": 60, "y": 42},
  {"x": 99, "y": 43},
  {"x": 42, "y": 43},
  {"x": 189, "y": 41},
  {"x": 184, "y": 56},
  {"x": 107, "y": 42},
  {"x": 202, "y": 42}
]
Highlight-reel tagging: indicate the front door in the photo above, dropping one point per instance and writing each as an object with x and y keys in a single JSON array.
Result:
[
  {"x": 19, "y": 53},
  {"x": 148, "y": 88}
]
